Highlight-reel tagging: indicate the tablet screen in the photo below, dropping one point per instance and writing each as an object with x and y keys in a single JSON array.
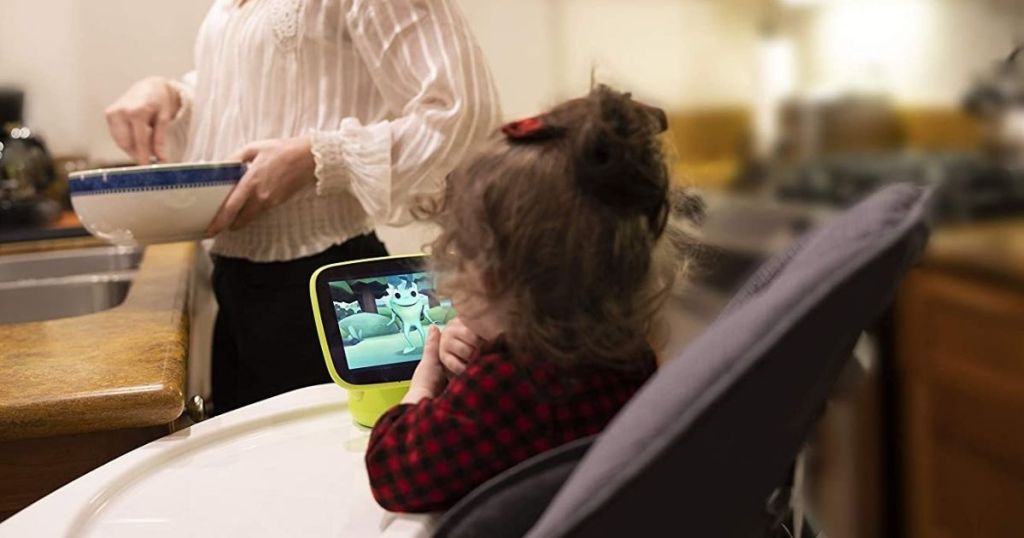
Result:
[
  {"x": 384, "y": 320},
  {"x": 374, "y": 316}
]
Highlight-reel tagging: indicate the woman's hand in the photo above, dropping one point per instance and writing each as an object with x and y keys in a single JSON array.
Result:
[
  {"x": 429, "y": 378},
  {"x": 138, "y": 120},
  {"x": 459, "y": 346},
  {"x": 277, "y": 170}
]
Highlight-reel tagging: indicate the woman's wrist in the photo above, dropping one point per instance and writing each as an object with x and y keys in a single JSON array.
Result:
[
  {"x": 181, "y": 95},
  {"x": 306, "y": 162},
  {"x": 174, "y": 92}
]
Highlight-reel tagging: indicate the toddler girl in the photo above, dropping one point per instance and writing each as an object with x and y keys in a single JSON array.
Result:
[{"x": 557, "y": 251}]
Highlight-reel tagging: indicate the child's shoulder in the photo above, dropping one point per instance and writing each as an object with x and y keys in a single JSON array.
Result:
[{"x": 501, "y": 366}]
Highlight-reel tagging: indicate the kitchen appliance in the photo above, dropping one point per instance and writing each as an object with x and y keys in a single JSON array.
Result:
[
  {"x": 26, "y": 169},
  {"x": 997, "y": 99},
  {"x": 969, "y": 187}
]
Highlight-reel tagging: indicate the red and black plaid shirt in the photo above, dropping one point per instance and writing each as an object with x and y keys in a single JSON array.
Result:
[{"x": 426, "y": 456}]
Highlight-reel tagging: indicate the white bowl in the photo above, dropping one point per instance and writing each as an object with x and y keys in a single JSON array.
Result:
[{"x": 161, "y": 203}]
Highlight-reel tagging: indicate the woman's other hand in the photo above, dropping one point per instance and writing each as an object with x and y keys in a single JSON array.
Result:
[
  {"x": 277, "y": 170},
  {"x": 429, "y": 378},
  {"x": 138, "y": 120},
  {"x": 459, "y": 346}
]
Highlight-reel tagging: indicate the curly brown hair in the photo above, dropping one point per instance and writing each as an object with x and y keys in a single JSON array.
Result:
[{"x": 570, "y": 228}]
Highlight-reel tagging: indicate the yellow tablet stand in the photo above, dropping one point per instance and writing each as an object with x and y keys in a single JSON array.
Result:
[
  {"x": 366, "y": 402},
  {"x": 367, "y": 405}
]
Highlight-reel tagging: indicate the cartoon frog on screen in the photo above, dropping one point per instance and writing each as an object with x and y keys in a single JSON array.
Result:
[{"x": 410, "y": 306}]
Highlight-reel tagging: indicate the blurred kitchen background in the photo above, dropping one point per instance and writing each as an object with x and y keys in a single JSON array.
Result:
[
  {"x": 781, "y": 112},
  {"x": 751, "y": 84}
]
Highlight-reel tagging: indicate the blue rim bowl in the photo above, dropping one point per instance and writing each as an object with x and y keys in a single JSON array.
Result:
[{"x": 156, "y": 177}]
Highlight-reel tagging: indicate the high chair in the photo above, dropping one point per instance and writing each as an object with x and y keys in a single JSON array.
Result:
[{"x": 707, "y": 446}]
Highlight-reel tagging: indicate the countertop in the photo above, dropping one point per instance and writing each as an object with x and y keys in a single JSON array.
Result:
[
  {"x": 992, "y": 250},
  {"x": 120, "y": 368}
]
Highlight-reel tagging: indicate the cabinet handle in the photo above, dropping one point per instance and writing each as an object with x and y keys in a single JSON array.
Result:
[{"x": 196, "y": 408}]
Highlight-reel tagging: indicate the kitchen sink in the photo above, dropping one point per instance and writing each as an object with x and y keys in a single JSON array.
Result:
[
  {"x": 59, "y": 263},
  {"x": 60, "y": 284},
  {"x": 45, "y": 299}
]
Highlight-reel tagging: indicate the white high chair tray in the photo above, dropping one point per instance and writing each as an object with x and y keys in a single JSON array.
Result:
[{"x": 288, "y": 466}]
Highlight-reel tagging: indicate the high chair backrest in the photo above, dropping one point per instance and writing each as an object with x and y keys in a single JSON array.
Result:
[{"x": 702, "y": 445}]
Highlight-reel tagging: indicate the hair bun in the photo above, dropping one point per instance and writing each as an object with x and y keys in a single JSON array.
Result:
[{"x": 618, "y": 158}]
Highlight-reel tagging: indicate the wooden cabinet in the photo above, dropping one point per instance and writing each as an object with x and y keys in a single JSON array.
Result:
[
  {"x": 32, "y": 468},
  {"x": 961, "y": 365}
]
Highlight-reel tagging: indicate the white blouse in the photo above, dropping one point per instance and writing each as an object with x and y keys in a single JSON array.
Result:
[{"x": 392, "y": 92}]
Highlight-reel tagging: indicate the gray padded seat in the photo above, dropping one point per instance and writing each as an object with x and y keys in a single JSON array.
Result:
[{"x": 704, "y": 443}]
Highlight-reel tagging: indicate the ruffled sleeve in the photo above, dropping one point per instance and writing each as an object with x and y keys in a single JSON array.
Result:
[
  {"x": 432, "y": 75},
  {"x": 356, "y": 159}
]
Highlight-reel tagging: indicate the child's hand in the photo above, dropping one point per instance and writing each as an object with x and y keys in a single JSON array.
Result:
[
  {"x": 459, "y": 345},
  {"x": 429, "y": 378}
]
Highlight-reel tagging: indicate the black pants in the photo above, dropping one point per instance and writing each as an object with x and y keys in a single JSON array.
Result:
[{"x": 264, "y": 340}]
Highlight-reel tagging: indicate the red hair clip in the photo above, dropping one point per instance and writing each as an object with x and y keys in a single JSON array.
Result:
[{"x": 534, "y": 128}]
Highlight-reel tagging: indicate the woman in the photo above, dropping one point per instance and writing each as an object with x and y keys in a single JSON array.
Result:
[{"x": 345, "y": 110}]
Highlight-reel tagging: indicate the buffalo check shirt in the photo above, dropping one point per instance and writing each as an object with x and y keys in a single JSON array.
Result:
[{"x": 426, "y": 456}]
